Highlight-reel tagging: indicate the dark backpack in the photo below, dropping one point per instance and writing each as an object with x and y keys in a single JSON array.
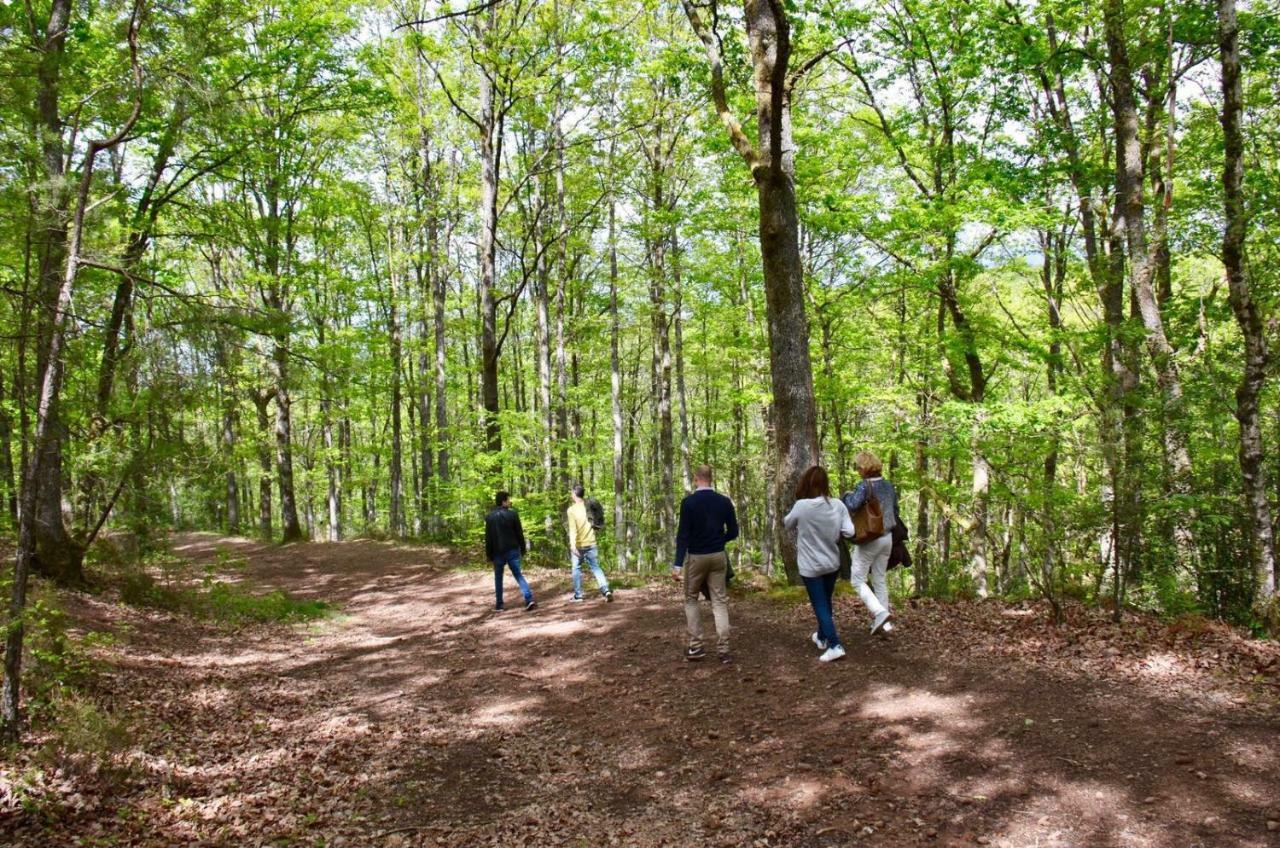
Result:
[{"x": 595, "y": 513}]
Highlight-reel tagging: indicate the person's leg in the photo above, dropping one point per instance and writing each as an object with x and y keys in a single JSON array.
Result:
[
  {"x": 577, "y": 574},
  {"x": 716, "y": 573},
  {"x": 514, "y": 561},
  {"x": 695, "y": 574},
  {"x": 821, "y": 603},
  {"x": 498, "y": 569},
  {"x": 880, "y": 569},
  {"x": 863, "y": 559},
  {"x": 829, "y": 589},
  {"x": 592, "y": 556}
]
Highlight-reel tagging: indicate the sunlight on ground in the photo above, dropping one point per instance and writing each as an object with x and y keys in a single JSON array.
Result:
[
  {"x": 509, "y": 712},
  {"x": 1071, "y": 813},
  {"x": 792, "y": 792}
]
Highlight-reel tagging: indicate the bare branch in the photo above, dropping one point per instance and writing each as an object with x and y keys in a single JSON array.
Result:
[
  {"x": 461, "y": 13},
  {"x": 737, "y": 137}
]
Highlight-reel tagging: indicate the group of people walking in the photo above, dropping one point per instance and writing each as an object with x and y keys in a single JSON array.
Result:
[{"x": 866, "y": 517}]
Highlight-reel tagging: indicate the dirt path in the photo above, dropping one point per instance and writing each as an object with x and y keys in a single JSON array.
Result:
[{"x": 420, "y": 717}]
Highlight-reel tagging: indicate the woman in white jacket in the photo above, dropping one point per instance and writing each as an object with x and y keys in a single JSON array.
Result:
[{"x": 819, "y": 521}]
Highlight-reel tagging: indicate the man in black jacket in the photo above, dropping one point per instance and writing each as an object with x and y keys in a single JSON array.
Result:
[{"x": 504, "y": 544}]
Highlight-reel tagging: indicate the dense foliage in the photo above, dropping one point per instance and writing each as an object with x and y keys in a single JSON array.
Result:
[{"x": 356, "y": 267}]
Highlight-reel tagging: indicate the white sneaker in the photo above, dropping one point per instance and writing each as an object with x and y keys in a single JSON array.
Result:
[
  {"x": 819, "y": 642},
  {"x": 832, "y": 654},
  {"x": 881, "y": 620},
  {"x": 887, "y": 629}
]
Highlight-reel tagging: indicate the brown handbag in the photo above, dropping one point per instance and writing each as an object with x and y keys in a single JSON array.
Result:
[{"x": 868, "y": 519}]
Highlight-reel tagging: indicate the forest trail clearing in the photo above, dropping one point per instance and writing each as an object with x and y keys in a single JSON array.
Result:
[{"x": 417, "y": 716}]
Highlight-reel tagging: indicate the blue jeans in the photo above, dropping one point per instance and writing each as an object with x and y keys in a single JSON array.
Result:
[
  {"x": 511, "y": 558},
  {"x": 592, "y": 556},
  {"x": 820, "y": 591}
]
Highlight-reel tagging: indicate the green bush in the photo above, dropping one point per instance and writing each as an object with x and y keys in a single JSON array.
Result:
[
  {"x": 177, "y": 591},
  {"x": 227, "y": 602}
]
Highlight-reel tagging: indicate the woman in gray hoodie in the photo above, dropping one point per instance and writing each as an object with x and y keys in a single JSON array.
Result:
[{"x": 819, "y": 521}]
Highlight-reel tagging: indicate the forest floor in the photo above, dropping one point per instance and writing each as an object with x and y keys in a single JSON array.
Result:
[{"x": 418, "y": 716}]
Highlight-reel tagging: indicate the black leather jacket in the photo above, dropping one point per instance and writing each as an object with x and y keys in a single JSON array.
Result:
[{"x": 503, "y": 532}]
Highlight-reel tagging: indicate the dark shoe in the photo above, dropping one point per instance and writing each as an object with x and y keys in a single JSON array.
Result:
[
  {"x": 726, "y": 659},
  {"x": 499, "y": 609},
  {"x": 530, "y": 605},
  {"x": 608, "y": 595},
  {"x": 694, "y": 654}
]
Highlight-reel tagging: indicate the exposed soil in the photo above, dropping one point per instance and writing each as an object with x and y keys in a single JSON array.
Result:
[{"x": 418, "y": 716}]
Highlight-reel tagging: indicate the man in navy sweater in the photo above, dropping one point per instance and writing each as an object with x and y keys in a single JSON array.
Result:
[{"x": 707, "y": 522}]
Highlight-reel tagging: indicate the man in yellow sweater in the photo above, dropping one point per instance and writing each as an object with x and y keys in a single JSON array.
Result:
[{"x": 582, "y": 545}]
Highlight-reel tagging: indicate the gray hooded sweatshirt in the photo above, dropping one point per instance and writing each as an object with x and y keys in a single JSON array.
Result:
[{"x": 819, "y": 523}]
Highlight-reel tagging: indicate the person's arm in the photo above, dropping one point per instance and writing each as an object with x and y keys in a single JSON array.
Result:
[
  {"x": 855, "y": 499},
  {"x": 524, "y": 543},
  {"x": 490, "y": 542},
  {"x": 792, "y": 518},
  {"x": 731, "y": 523},
  {"x": 682, "y": 537},
  {"x": 573, "y": 531},
  {"x": 846, "y": 525}
]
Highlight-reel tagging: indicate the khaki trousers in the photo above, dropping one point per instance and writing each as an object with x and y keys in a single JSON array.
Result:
[{"x": 709, "y": 569}]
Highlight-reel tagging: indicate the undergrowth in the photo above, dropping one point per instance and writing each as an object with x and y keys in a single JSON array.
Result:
[{"x": 175, "y": 584}]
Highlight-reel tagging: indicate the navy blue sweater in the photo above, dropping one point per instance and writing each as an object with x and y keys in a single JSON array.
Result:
[{"x": 707, "y": 522}]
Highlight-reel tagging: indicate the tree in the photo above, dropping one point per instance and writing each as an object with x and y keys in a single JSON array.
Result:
[
  {"x": 772, "y": 166},
  {"x": 1247, "y": 314}
]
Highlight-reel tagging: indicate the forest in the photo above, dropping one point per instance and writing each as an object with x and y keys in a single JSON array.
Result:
[
  {"x": 343, "y": 272},
  {"x": 305, "y": 272}
]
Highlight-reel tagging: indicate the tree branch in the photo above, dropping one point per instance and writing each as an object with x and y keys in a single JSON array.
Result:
[
  {"x": 737, "y": 137},
  {"x": 461, "y": 13}
]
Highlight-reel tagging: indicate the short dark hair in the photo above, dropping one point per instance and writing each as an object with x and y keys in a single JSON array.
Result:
[
  {"x": 501, "y": 498},
  {"x": 813, "y": 483},
  {"x": 578, "y": 490}
]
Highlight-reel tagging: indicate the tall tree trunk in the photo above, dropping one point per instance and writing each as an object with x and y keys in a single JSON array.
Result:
[
  {"x": 490, "y": 162},
  {"x": 396, "y": 520},
  {"x": 439, "y": 292},
  {"x": 1118, "y": 369},
  {"x": 920, "y": 560},
  {"x": 661, "y": 324},
  {"x": 50, "y": 388},
  {"x": 425, "y": 458},
  {"x": 772, "y": 167},
  {"x": 615, "y": 391},
  {"x": 291, "y": 530},
  {"x": 56, "y": 554},
  {"x": 1248, "y": 316},
  {"x": 261, "y": 400},
  {"x": 1052, "y": 276},
  {"x": 563, "y": 429},
  {"x": 333, "y": 490},
  {"x": 1130, "y": 217},
  {"x": 677, "y": 312},
  {"x": 542, "y": 306},
  {"x": 7, "y": 479},
  {"x": 229, "y": 421},
  {"x": 978, "y": 564}
]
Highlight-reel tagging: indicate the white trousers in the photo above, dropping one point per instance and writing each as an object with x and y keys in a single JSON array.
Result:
[{"x": 871, "y": 559}]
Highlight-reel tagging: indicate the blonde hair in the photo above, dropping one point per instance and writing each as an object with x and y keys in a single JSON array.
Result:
[{"x": 868, "y": 464}]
